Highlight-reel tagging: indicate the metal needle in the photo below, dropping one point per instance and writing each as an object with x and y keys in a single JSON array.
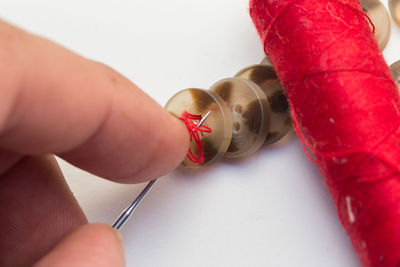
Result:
[
  {"x": 203, "y": 119},
  {"x": 127, "y": 213}
]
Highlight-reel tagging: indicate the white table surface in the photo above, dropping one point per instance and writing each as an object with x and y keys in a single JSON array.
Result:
[{"x": 271, "y": 209}]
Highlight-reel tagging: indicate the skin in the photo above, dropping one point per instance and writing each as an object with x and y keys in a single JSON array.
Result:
[{"x": 55, "y": 102}]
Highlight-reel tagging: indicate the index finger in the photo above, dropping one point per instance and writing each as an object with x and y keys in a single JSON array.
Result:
[{"x": 54, "y": 101}]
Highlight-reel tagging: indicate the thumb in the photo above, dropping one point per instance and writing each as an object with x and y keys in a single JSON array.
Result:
[{"x": 92, "y": 245}]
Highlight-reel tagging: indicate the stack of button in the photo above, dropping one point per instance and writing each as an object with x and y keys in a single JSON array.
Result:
[{"x": 247, "y": 111}]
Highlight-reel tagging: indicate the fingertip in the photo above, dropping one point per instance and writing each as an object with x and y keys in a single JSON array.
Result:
[
  {"x": 90, "y": 245},
  {"x": 171, "y": 149}
]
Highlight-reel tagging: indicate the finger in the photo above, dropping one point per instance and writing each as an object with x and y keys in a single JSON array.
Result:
[
  {"x": 7, "y": 160},
  {"x": 37, "y": 210},
  {"x": 93, "y": 245},
  {"x": 53, "y": 100}
]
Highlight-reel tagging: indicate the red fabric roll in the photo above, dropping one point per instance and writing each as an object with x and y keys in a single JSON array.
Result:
[{"x": 346, "y": 109}]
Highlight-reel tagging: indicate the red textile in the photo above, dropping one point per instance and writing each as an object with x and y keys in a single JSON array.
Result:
[{"x": 346, "y": 109}]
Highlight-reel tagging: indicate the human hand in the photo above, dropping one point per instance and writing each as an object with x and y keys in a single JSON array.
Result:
[{"x": 54, "y": 102}]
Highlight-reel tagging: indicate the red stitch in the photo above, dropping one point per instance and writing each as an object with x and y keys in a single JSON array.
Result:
[{"x": 194, "y": 130}]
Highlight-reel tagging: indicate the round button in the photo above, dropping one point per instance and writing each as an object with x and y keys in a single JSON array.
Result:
[
  {"x": 200, "y": 102},
  {"x": 379, "y": 16},
  {"x": 266, "y": 78},
  {"x": 266, "y": 61},
  {"x": 250, "y": 114},
  {"x": 395, "y": 70},
  {"x": 394, "y": 6}
]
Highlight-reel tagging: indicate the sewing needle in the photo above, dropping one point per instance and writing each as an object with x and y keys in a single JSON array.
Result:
[{"x": 127, "y": 213}]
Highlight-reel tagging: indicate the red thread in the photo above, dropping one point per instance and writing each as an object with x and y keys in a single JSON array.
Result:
[
  {"x": 194, "y": 130},
  {"x": 345, "y": 107}
]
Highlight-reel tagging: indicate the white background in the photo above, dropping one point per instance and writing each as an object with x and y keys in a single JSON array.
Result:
[{"x": 271, "y": 209}]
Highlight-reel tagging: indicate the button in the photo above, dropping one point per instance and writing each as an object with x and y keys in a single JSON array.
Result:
[
  {"x": 266, "y": 78},
  {"x": 200, "y": 102},
  {"x": 395, "y": 70},
  {"x": 266, "y": 61},
  {"x": 379, "y": 16},
  {"x": 250, "y": 114},
  {"x": 394, "y": 6}
]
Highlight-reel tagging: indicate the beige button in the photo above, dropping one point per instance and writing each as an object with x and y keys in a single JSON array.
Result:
[
  {"x": 250, "y": 114},
  {"x": 394, "y": 6},
  {"x": 200, "y": 102},
  {"x": 395, "y": 69},
  {"x": 266, "y": 61},
  {"x": 380, "y": 18},
  {"x": 266, "y": 78}
]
